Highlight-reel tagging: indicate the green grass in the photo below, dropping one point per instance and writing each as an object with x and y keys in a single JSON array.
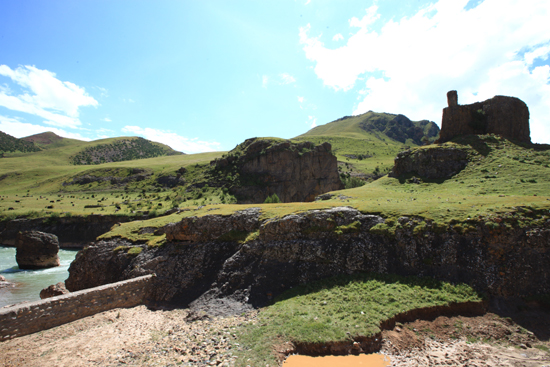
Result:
[{"x": 339, "y": 309}]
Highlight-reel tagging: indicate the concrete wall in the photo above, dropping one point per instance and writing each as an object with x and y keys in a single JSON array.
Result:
[{"x": 28, "y": 318}]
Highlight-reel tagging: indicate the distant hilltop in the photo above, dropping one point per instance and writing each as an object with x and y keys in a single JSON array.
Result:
[
  {"x": 505, "y": 116},
  {"x": 43, "y": 138}
]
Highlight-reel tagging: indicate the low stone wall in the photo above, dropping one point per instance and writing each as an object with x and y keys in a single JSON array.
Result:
[{"x": 28, "y": 318}]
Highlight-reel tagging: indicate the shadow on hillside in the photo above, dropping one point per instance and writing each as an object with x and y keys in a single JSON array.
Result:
[
  {"x": 476, "y": 143},
  {"x": 531, "y": 315},
  {"x": 414, "y": 178}
]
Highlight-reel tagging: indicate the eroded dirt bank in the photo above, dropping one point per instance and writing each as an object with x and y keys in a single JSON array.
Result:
[{"x": 139, "y": 336}]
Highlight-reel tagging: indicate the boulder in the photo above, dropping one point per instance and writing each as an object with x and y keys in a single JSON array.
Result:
[
  {"x": 36, "y": 250},
  {"x": 54, "y": 290},
  {"x": 435, "y": 162},
  {"x": 505, "y": 116}
]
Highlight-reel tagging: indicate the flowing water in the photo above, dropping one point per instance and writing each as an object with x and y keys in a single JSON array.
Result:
[{"x": 29, "y": 283}]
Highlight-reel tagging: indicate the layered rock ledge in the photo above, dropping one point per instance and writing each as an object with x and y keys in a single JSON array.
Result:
[{"x": 241, "y": 259}]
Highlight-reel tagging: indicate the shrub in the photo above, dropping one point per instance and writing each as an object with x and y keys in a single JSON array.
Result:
[{"x": 272, "y": 199}]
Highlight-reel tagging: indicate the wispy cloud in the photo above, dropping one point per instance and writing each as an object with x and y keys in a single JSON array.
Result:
[
  {"x": 106, "y": 119},
  {"x": 338, "y": 37},
  {"x": 173, "y": 140},
  {"x": 311, "y": 121},
  {"x": 407, "y": 65},
  {"x": 285, "y": 78},
  {"x": 21, "y": 129},
  {"x": 45, "y": 96},
  {"x": 280, "y": 79}
]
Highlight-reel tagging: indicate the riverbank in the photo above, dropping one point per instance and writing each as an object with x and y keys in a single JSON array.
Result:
[{"x": 139, "y": 336}]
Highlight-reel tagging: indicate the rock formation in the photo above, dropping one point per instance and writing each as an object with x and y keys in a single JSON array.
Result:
[
  {"x": 430, "y": 163},
  {"x": 36, "y": 250},
  {"x": 279, "y": 253},
  {"x": 506, "y": 116},
  {"x": 54, "y": 290},
  {"x": 295, "y": 172}
]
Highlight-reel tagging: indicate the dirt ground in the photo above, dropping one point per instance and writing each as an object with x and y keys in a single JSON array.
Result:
[
  {"x": 142, "y": 337},
  {"x": 488, "y": 340}
]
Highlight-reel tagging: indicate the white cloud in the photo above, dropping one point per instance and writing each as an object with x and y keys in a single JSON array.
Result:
[
  {"x": 479, "y": 52},
  {"x": 300, "y": 99},
  {"x": 20, "y": 129},
  {"x": 285, "y": 78},
  {"x": 337, "y": 37},
  {"x": 45, "y": 96},
  {"x": 173, "y": 140},
  {"x": 106, "y": 119},
  {"x": 368, "y": 19},
  {"x": 307, "y": 2},
  {"x": 265, "y": 81},
  {"x": 312, "y": 121}
]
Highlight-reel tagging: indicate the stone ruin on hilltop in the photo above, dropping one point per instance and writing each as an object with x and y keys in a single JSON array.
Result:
[{"x": 505, "y": 116}]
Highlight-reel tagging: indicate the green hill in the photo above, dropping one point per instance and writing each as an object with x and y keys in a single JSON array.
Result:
[
  {"x": 50, "y": 140},
  {"x": 11, "y": 144},
  {"x": 367, "y": 144},
  {"x": 122, "y": 149}
]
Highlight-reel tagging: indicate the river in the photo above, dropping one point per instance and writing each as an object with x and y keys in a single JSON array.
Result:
[{"x": 29, "y": 283}]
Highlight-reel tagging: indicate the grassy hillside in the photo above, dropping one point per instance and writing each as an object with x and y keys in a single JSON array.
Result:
[
  {"x": 9, "y": 143},
  {"x": 49, "y": 140},
  {"x": 504, "y": 183},
  {"x": 367, "y": 144}
]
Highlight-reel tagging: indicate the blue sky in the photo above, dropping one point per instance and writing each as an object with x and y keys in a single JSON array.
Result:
[{"x": 206, "y": 75}]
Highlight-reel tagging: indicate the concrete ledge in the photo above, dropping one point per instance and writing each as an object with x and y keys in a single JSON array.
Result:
[{"x": 28, "y": 318}]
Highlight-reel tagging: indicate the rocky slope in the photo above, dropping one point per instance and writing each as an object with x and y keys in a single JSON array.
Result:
[
  {"x": 294, "y": 172},
  {"x": 241, "y": 259}
]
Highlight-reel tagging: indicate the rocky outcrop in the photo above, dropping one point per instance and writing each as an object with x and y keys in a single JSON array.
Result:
[
  {"x": 505, "y": 116},
  {"x": 300, "y": 248},
  {"x": 295, "y": 172},
  {"x": 36, "y": 250},
  {"x": 53, "y": 290},
  {"x": 72, "y": 232},
  {"x": 217, "y": 227},
  {"x": 4, "y": 283},
  {"x": 435, "y": 162}
]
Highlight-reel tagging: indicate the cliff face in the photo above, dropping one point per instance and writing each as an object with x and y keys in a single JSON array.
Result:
[
  {"x": 295, "y": 172},
  {"x": 72, "y": 232},
  {"x": 506, "y": 116},
  {"x": 201, "y": 263}
]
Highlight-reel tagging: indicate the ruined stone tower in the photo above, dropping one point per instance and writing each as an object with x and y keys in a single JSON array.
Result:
[{"x": 505, "y": 116}]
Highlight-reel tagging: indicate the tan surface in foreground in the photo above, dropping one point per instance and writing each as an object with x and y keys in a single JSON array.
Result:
[
  {"x": 141, "y": 337},
  {"x": 362, "y": 360}
]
